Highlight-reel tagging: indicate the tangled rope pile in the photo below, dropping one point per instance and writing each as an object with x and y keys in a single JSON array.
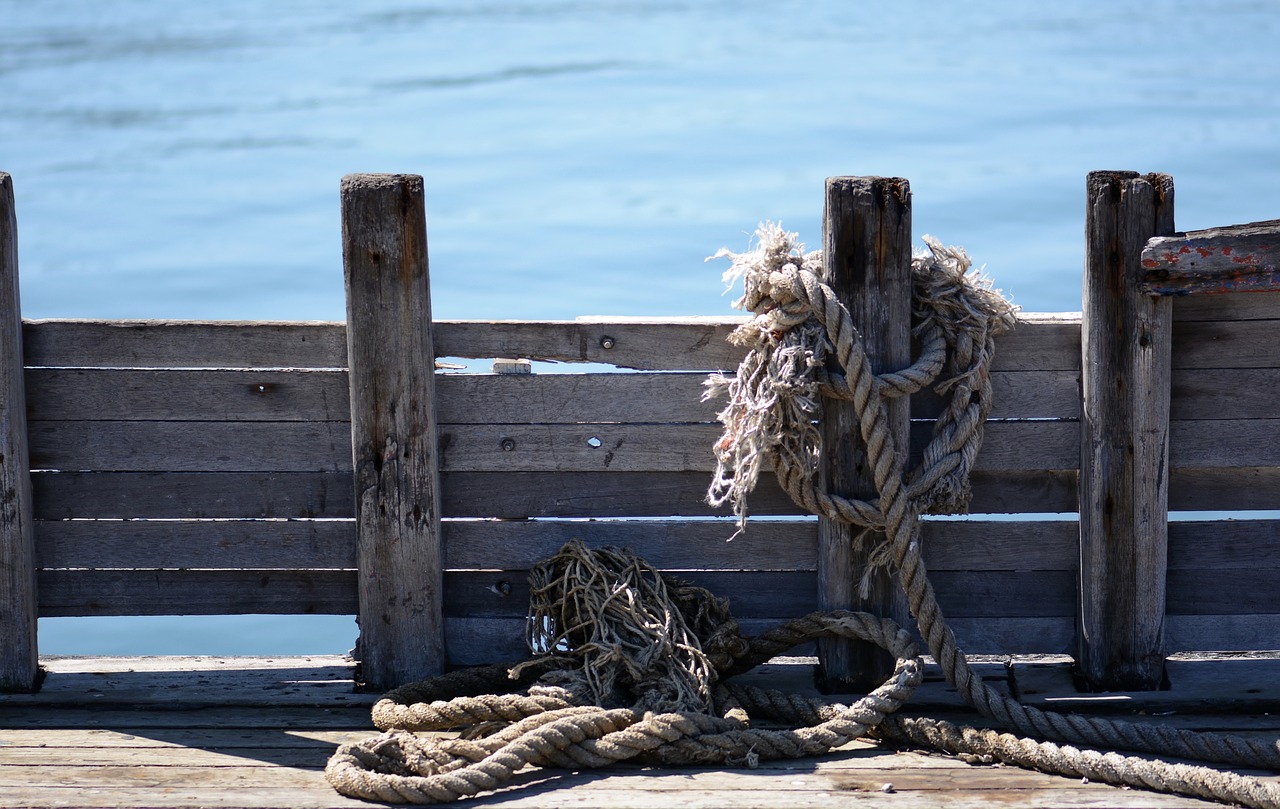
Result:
[
  {"x": 584, "y": 701},
  {"x": 635, "y": 666}
]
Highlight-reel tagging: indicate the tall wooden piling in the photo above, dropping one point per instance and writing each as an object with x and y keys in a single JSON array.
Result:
[
  {"x": 18, "y": 658},
  {"x": 867, "y": 261},
  {"x": 393, "y": 428},
  {"x": 1126, "y": 340}
]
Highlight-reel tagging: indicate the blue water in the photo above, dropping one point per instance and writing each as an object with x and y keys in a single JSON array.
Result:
[{"x": 181, "y": 160}]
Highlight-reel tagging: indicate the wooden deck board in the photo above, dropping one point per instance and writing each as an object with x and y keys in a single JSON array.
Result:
[{"x": 256, "y": 732}]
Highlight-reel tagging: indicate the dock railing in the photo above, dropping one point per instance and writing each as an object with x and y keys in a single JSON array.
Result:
[{"x": 180, "y": 467}]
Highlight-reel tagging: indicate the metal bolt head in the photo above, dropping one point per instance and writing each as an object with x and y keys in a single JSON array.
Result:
[
  {"x": 607, "y": 342},
  {"x": 508, "y": 444}
]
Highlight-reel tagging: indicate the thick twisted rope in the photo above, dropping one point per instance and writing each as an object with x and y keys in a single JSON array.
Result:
[
  {"x": 545, "y": 728},
  {"x": 783, "y": 287}
]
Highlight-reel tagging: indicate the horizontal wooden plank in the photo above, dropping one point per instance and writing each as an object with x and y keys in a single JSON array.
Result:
[
  {"x": 228, "y": 544},
  {"x": 949, "y": 545},
  {"x": 658, "y": 344},
  {"x": 1039, "y": 342},
  {"x": 196, "y": 592},
  {"x": 1233, "y": 393},
  {"x": 128, "y": 446},
  {"x": 669, "y": 494},
  {"x": 1230, "y": 591},
  {"x": 765, "y": 545},
  {"x": 1228, "y": 633},
  {"x": 1225, "y": 443},
  {"x": 1226, "y": 343},
  {"x": 1217, "y": 545},
  {"x": 1233, "y": 306},
  {"x": 183, "y": 344},
  {"x": 476, "y": 641},
  {"x": 687, "y": 447},
  {"x": 1244, "y": 488},
  {"x": 790, "y": 594},
  {"x": 77, "y": 394},
  {"x": 1237, "y": 258},
  {"x": 192, "y": 495},
  {"x": 190, "y": 446}
]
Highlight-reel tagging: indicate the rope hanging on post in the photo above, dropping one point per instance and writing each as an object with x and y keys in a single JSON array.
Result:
[
  {"x": 769, "y": 417},
  {"x": 601, "y": 693}
]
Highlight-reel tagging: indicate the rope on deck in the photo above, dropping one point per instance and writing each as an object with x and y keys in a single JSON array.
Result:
[{"x": 634, "y": 664}]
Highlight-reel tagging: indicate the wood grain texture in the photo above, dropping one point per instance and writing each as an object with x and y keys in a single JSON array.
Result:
[
  {"x": 1237, "y": 258},
  {"x": 1126, "y": 343},
  {"x": 866, "y": 237},
  {"x": 1229, "y": 307},
  {"x": 18, "y": 655},
  {"x": 191, "y": 446},
  {"x": 184, "y": 344},
  {"x": 1220, "y": 344},
  {"x": 71, "y": 394},
  {"x": 393, "y": 427},
  {"x": 196, "y": 592},
  {"x": 792, "y": 544},
  {"x": 191, "y": 495},
  {"x": 226, "y": 544}
]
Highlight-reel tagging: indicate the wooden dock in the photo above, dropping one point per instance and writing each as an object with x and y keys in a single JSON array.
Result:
[
  {"x": 162, "y": 468},
  {"x": 179, "y": 732}
]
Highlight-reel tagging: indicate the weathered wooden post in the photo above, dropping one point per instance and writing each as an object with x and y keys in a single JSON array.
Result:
[
  {"x": 867, "y": 258},
  {"x": 1126, "y": 341},
  {"x": 393, "y": 428},
  {"x": 19, "y": 663}
]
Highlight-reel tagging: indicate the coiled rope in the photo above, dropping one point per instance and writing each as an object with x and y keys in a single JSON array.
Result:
[{"x": 635, "y": 665}]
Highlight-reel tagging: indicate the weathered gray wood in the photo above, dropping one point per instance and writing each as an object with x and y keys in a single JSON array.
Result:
[
  {"x": 131, "y": 446},
  {"x": 191, "y": 495},
  {"x": 1245, "y": 306},
  {"x": 1223, "y": 632},
  {"x": 252, "y": 544},
  {"x": 1224, "y": 489},
  {"x": 56, "y": 394},
  {"x": 478, "y": 641},
  {"x": 666, "y": 494},
  {"x": 1227, "y": 443},
  {"x": 393, "y": 431},
  {"x": 1237, "y": 258},
  {"x": 866, "y": 240},
  {"x": 949, "y": 545},
  {"x": 297, "y": 395},
  {"x": 191, "y": 446},
  {"x": 792, "y": 544},
  {"x": 1249, "y": 590},
  {"x": 184, "y": 344},
  {"x": 1221, "y": 344},
  {"x": 196, "y": 592},
  {"x": 1126, "y": 343},
  {"x": 1231, "y": 393},
  {"x": 18, "y": 656},
  {"x": 1223, "y": 544},
  {"x": 1040, "y": 342},
  {"x": 751, "y": 593}
]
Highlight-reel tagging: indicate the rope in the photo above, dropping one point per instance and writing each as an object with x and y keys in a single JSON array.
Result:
[
  {"x": 546, "y": 727},
  {"x": 635, "y": 665},
  {"x": 783, "y": 287}
]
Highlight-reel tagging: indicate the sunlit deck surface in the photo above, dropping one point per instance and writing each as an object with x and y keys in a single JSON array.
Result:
[{"x": 256, "y": 732}]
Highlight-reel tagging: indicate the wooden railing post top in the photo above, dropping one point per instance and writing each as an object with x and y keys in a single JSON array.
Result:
[
  {"x": 896, "y": 189},
  {"x": 358, "y": 182},
  {"x": 1116, "y": 182}
]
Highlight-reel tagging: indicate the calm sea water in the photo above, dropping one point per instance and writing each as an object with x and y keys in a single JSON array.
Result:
[{"x": 182, "y": 160}]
